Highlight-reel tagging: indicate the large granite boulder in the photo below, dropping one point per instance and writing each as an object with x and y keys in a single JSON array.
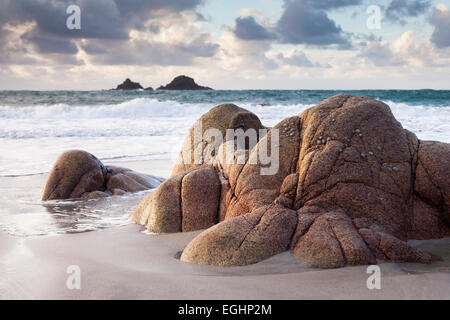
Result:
[
  {"x": 352, "y": 186},
  {"x": 129, "y": 85},
  {"x": 199, "y": 152},
  {"x": 79, "y": 174},
  {"x": 186, "y": 202},
  {"x": 245, "y": 239},
  {"x": 183, "y": 83}
]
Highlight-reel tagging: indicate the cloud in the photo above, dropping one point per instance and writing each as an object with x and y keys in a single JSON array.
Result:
[
  {"x": 100, "y": 20},
  {"x": 398, "y": 10},
  {"x": 104, "y": 19},
  {"x": 302, "y": 23},
  {"x": 250, "y": 12},
  {"x": 178, "y": 42},
  {"x": 48, "y": 44},
  {"x": 381, "y": 54},
  {"x": 440, "y": 19},
  {"x": 406, "y": 51},
  {"x": 14, "y": 50},
  {"x": 145, "y": 7},
  {"x": 247, "y": 28},
  {"x": 299, "y": 59},
  {"x": 365, "y": 38},
  {"x": 331, "y": 4},
  {"x": 237, "y": 55},
  {"x": 141, "y": 52}
]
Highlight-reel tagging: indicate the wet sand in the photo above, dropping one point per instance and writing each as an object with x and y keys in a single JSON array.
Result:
[{"x": 124, "y": 263}]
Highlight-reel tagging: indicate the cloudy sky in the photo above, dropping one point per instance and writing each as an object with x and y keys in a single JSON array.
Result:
[{"x": 227, "y": 44}]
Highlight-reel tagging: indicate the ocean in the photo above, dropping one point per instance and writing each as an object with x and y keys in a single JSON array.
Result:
[{"x": 142, "y": 130}]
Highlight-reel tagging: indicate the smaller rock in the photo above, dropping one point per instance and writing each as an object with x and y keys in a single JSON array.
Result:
[
  {"x": 129, "y": 85},
  {"x": 94, "y": 195},
  {"x": 78, "y": 174},
  {"x": 118, "y": 192}
]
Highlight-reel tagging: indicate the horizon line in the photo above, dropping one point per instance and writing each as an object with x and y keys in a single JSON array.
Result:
[{"x": 274, "y": 89}]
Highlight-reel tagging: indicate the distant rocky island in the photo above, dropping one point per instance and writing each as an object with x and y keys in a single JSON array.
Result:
[
  {"x": 178, "y": 83},
  {"x": 183, "y": 83},
  {"x": 129, "y": 85}
]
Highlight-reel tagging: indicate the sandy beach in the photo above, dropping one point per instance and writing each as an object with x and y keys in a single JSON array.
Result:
[{"x": 124, "y": 263}]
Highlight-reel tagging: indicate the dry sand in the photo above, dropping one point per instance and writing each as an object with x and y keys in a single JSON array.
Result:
[{"x": 124, "y": 263}]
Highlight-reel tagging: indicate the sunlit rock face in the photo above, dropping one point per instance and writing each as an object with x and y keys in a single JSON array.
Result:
[{"x": 351, "y": 186}]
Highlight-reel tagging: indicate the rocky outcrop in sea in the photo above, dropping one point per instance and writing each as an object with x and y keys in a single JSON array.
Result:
[
  {"x": 183, "y": 83},
  {"x": 129, "y": 85}
]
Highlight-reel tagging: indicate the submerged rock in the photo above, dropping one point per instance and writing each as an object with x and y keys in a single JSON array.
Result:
[
  {"x": 326, "y": 202},
  {"x": 129, "y": 85},
  {"x": 183, "y": 83},
  {"x": 79, "y": 174}
]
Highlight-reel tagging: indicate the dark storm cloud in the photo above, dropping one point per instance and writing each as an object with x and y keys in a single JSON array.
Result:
[
  {"x": 331, "y": 4},
  {"x": 100, "y": 19},
  {"x": 303, "y": 23},
  {"x": 109, "y": 52},
  {"x": 248, "y": 29},
  {"x": 93, "y": 47},
  {"x": 400, "y": 10},
  {"x": 440, "y": 19},
  {"x": 143, "y": 8},
  {"x": 11, "y": 52},
  {"x": 50, "y": 45}
]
